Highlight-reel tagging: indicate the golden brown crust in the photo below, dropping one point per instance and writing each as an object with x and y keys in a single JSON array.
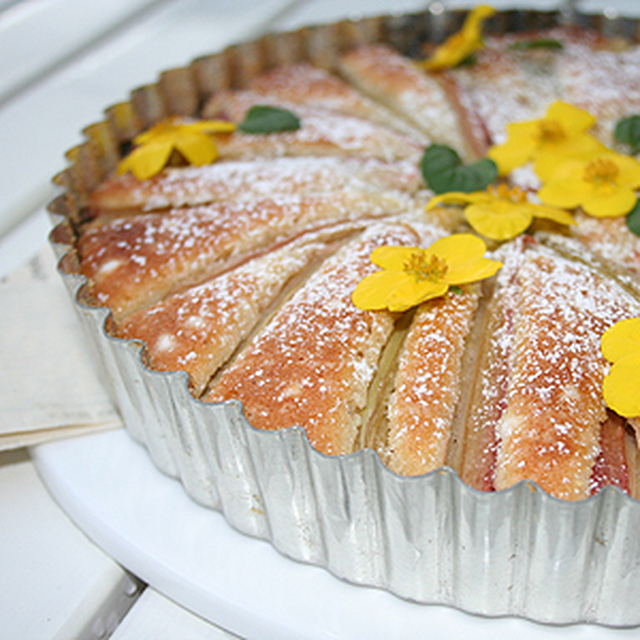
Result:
[
  {"x": 134, "y": 262},
  {"x": 225, "y": 181},
  {"x": 322, "y": 133},
  {"x": 393, "y": 80},
  {"x": 305, "y": 84},
  {"x": 610, "y": 239},
  {"x": 550, "y": 430},
  {"x": 488, "y": 382},
  {"x": 312, "y": 365},
  {"x": 198, "y": 330},
  {"x": 427, "y": 386},
  {"x": 599, "y": 75},
  {"x": 524, "y": 92}
]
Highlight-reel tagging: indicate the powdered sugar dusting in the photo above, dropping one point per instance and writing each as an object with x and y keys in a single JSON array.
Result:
[
  {"x": 550, "y": 429},
  {"x": 525, "y": 89},
  {"x": 259, "y": 178},
  {"x": 392, "y": 79},
  {"x": 198, "y": 330},
  {"x": 600, "y": 79},
  {"x": 428, "y": 384},
  {"x": 149, "y": 255},
  {"x": 611, "y": 239},
  {"x": 308, "y": 85},
  {"x": 321, "y": 132},
  {"x": 313, "y": 363}
]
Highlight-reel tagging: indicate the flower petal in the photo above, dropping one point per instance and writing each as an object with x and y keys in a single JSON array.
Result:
[
  {"x": 629, "y": 170},
  {"x": 609, "y": 203},
  {"x": 500, "y": 220},
  {"x": 372, "y": 292},
  {"x": 148, "y": 160},
  {"x": 197, "y": 148},
  {"x": 392, "y": 257},
  {"x": 578, "y": 149},
  {"x": 212, "y": 126},
  {"x": 621, "y": 340},
  {"x": 410, "y": 293},
  {"x": 573, "y": 119},
  {"x": 516, "y": 151},
  {"x": 621, "y": 388},
  {"x": 161, "y": 132},
  {"x": 551, "y": 213},
  {"x": 459, "y": 197},
  {"x": 458, "y": 248},
  {"x": 472, "y": 271},
  {"x": 462, "y": 44},
  {"x": 473, "y": 22},
  {"x": 566, "y": 194},
  {"x": 450, "y": 53}
]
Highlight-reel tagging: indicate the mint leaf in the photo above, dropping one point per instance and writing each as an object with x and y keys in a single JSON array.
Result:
[
  {"x": 443, "y": 171},
  {"x": 627, "y": 132},
  {"x": 540, "y": 43},
  {"x": 633, "y": 219},
  {"x": 262, "y": 118}
]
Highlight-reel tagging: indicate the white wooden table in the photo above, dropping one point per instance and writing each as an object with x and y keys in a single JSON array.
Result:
[{"x": 63, "y": 62}]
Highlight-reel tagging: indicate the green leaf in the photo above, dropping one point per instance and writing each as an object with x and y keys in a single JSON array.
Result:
[
  {"x": 633, "y": 219},
  {"x": 469, "y": 61},
  {"x": 262, "y": 118},
  {"x": 627, "y": 131},
  {"x": 443, "y": 171},
  {"x": 540, "y": 43}
]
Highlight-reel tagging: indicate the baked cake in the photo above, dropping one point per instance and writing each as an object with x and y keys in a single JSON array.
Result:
[
  {"x": 241, "y": 272},
  {"x": 299, "y": 320}
]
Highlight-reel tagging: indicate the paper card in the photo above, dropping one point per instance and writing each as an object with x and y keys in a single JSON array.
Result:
[{"x": 49, "y": 386}]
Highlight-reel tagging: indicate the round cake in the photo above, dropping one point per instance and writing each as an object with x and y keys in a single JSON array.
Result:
[{"x": 425, "y": 254}]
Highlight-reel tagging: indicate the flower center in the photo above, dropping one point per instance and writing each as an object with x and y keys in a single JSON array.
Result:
[
  {"x": 514, "y": 194},
  {"x": 550, "y": 130},
  {"x": 601, "y": 171},
  {"x": 424, "y": 266}
]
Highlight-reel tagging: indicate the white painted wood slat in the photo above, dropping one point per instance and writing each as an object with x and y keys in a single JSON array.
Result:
[
  {"x": 35, "y": 37},
  {"x": 44, "y": 121},
  {"x": 155, "y": 617},
  {"x": 54, "y": 583}
]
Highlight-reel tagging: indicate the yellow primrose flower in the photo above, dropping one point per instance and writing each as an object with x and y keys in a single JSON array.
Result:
[
  {"x": 500, "y": 213},
  {"x": 559, "y": 134},
  {"x": 604, "y": 186},
  {"x": 461, "y": 45},
  {"x": 621, "y": 387},
  {"x": 411, "y": 275},
  {"x": 190, "y": 139}
]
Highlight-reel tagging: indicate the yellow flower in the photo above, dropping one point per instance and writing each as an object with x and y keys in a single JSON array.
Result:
[
  {"x": 190, "y": 139},
  {"x": 561, "y": 133},
  {"x": 621, "y": 387},
  {"x": 461, "y": 45},
  {"x": 500, "y": 213},
  {"x": 604, "y": 186},
  {"x": 411, "y": 275}
]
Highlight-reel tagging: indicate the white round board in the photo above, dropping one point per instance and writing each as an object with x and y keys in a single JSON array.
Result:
[{"x": 145, "y": 521}]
